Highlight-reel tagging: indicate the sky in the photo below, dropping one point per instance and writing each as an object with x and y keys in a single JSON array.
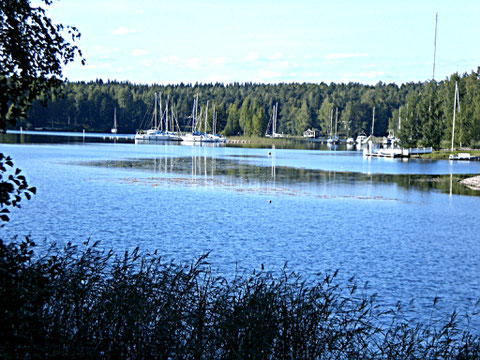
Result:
[{"x": 266, "y": 41}]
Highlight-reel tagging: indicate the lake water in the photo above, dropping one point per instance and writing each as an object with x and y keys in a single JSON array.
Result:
[{"x": 405, "y": 227}]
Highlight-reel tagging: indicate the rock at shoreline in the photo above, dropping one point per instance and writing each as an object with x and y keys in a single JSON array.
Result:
[{"x": 472, "y": 183}]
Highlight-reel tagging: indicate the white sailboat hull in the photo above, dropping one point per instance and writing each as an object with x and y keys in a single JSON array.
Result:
[{"x": 154, "y": 135}]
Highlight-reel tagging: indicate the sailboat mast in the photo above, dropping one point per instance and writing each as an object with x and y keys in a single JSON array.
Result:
[
  {"x": 331, "y": 122},
  {"x": 172, "y": 126},
  {"x": 214, "y": 121},
  {"x": 275, "y": 121},
  {"x": 155, "y": 113},
  {"x": 336, "y": 121},
  {"x": 455, "y": 99},
  {"x": 399, "y": 118},
  {"x": 166, "y": 115},
  {"x": 373, "y": 119},
  {"x": 196, "y": 112},
  {"x": 161, "y": 114},
  {"x": 114, "y": 118},
  {"x": 206, "y": 118}
]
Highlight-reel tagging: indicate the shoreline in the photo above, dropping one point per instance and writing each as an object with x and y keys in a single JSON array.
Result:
[{"x": 472, "y": 182}]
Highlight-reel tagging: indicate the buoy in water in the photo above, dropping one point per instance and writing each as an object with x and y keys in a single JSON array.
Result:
[
  {"x": 269, "y": 153},
  {"x": 269, "y": 201}
]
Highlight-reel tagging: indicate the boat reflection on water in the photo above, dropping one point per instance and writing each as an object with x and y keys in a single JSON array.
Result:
[
  {"x": 242, "y": 173},
  {"x": 183, "y": 143}
]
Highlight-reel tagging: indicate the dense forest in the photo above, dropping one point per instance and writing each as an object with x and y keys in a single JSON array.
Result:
[{"x": 420, "y": 113}]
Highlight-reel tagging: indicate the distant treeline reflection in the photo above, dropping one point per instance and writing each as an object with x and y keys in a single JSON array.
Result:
[{"x": 242, "y": 171}]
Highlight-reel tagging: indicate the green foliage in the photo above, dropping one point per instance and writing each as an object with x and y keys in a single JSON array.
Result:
[
  {"x": 247, "y": 108},
  {"x": 32, "y": 53},
  {"x": 410, "y": 132},
  {"x": 233, "y": 123},
  {"x": 32, "y": 56},
  {"x": 13, "y": 187},
  {"x": 85, "y": 302},
  {"x": 429, "y": 112}
]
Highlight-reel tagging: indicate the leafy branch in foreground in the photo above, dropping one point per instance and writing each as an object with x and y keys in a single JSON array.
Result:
[
  {"x": 86, "y": 302},
  {"x": 13, "y": 186},
  {"x": 33, "y": 51}
]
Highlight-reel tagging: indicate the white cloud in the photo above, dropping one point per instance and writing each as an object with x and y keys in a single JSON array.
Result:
[
  {"x": 147, "y": 62},
  {"x": 268, "y": 74},
  {"x": 275, "y": 56},
  {"x": 122, "y": 31},
  {"x": 220, "y": 78},
  {"x": 99, "y": 66},
  {"x": 372, "y": 74},
  {"x": 341, "y": 56},
  {"x": 172, "y": 60},
  {"x": 278, "y": 65},
  {"x": 218, "y": 60},
  {"x": 252, "y": 56},
  {"x": 194, "y": 63},
  {"x": 139, "y": 52},
  {"x": 99, "y": 51}
]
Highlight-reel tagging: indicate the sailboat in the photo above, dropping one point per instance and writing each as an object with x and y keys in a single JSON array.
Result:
[
  {"x": 114, "y": 129},
  {"x": 273, "y": 121},
  {"x": 194, "y": 136},
  {"x": 213, "y": 137},
  {"x": 156, "y": 133},
  {"x": 170, "y": 124},
  {"x": 362, "y": 138},
  {"x": 333, "y": 140}
]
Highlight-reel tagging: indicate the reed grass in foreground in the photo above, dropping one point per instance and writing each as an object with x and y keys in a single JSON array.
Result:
[{"x": 84, "y": 302}]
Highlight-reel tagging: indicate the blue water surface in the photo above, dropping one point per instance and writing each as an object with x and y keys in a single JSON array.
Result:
[{"x": 317, "y": 211}]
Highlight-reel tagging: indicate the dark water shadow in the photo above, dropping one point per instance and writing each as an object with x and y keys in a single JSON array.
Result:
[{"x": 246, "y": 174}]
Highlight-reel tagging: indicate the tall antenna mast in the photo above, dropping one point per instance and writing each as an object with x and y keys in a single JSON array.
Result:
[{"x": 435, "y": 45}]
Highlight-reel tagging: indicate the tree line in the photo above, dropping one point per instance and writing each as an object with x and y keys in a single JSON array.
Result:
[{"x": 419, "y": 113}]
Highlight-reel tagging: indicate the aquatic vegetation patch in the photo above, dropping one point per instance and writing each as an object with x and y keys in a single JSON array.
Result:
[
  {"x": 242, "y": 187},
  {"x": 232, "y": 172}
]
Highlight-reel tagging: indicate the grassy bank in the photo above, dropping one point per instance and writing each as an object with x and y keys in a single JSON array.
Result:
[{"x": 84, "y": 302}]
